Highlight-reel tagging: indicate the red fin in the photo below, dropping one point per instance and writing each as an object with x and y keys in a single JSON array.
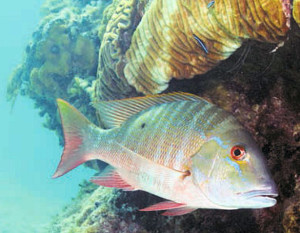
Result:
[
  {"x": 110, "y": 178},
  {"x": 79, "y": 135},
  {"x": 178, "y": 211},
  {"x": 165, "y": 205}
]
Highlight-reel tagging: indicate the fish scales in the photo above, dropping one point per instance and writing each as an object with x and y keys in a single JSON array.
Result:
[
  {"x": 140, "y": 141},
  {"x": 140, "y": 172},
  {"x": 227, "y": 124},
  {"x": 166, "y": 134},
  {"x": 217, "y": 119},
  {"x": 167, "y": 150},
  {"x": 210, "y": 119},
  {"x": 176, "y": 146}
]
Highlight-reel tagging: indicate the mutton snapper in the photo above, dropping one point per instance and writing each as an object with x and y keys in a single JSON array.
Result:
[{"x": 176, "y": 146}]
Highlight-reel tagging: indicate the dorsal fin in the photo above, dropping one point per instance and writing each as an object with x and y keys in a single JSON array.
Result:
[{"x": 114, "y": 113}]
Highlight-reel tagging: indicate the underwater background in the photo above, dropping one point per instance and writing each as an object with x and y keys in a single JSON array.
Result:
[
  {"x": 82, "y": 50},
  {"x": 29, "y": 153}
]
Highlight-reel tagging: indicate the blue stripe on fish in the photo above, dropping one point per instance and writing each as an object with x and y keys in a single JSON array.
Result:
[
  {"x": 219, "y": 141},
  {"x": 200, "y": 42},
  {"x": 210, "y": 4},
  {"x": 235, "y": 165}
]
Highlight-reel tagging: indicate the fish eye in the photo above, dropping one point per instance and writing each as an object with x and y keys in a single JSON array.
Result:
[{"x": 238, "y": 152}]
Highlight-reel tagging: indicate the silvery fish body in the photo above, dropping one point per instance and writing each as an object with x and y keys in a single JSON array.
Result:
[{"x": 176, "y": 146}]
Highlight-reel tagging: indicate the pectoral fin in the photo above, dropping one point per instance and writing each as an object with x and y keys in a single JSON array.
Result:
[
  {"x": 178, "y": 211},
  {"x": 173, "y": 208},
  {"x": 165, "y": 205},
  {"x": 111, "y": 178}
]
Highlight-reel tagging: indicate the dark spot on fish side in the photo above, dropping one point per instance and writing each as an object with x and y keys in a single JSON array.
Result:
[{"x": 143, "y": 125}]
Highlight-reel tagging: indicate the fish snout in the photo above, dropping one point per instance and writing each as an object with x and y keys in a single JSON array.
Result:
[
  {"x": 260, "y": 197},
  {"x": 271, "y": 187},
  {"x": 268, "y": 184}
]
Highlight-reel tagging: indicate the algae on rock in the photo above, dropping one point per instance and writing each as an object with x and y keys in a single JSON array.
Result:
[{"x": 94, "y": 211}]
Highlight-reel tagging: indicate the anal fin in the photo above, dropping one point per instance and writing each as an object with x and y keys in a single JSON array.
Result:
[
  {"x": 165, "y": 205},
  {"x": 111, "y": 178},
  {"x": 178, "y": 211}
]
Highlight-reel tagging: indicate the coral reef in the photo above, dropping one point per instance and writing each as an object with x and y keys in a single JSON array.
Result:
[
  {"x": 163, "y": 46},
  {"x": 264, "y": 95},
  {"x": 291, "y": 218},
  {"x": 94, "y": 211},
  {"x": 125, "y": 16},
  {"x": 259, "y": 84},
  {"x": 64, "y": 46},
  {"x": 296, "y": 11}
]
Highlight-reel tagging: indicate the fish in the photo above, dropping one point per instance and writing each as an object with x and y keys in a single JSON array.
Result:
[
  {"x": 177, "y": 146},
  {"x": 200, "y": 42},
  {"x": 210, "y": 4}
]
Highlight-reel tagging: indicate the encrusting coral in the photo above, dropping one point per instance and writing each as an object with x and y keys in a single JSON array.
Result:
[
  {"x": 55, "y": 55},
  {"x": 94, "y": 211},
  {"x": 64, "y": 46}
]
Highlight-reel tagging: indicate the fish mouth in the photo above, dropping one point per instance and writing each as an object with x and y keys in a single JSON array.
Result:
[
  {"x": 260, "y": 198},
  {"x": 259, "y": 193}
]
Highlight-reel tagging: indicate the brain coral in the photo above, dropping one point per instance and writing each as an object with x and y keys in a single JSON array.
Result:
[
  {"x": 171, "y": 50},
  {"x": 296, "y": 11},
  {"x": 163, "y": 45},
  {"x": 123, "y": 18}
]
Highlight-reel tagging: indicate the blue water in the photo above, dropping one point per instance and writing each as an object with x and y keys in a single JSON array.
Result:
[{"x": 29, "y": 153}]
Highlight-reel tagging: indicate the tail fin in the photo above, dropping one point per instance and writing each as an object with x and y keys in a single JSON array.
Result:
[{"x": 79, "y": 135}]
